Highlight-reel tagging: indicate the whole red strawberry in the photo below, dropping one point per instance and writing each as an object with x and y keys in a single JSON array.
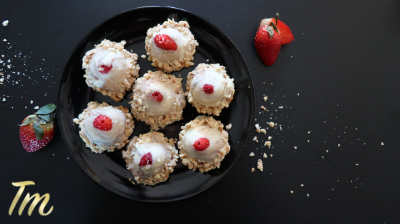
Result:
[
  {"x": 37, "y": 130},
  {"x": 268, "y": 43},
  {"x": 201, "y": 144},
  {"x": 165, "y": 42}
]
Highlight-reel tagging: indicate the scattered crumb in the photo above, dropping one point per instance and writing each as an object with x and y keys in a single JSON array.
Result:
[
  {"x": 5, "y": 22},
  {"x": 301, "y": 185},
  {"x": 4, "y": 99},
  {"x": 298, "y": 94},
  {"x": 265, "y": 98},
  {"x": 260, "y": 165},
  {"x": 269, "y": 137},
  {"x": 251, "y": 154},
  {"x": 270, "y": 155},
  {"x": 268, "y": 143},
  {"x": 5, "y": 40},
  {"x": 207, "y": 59},
  {"x": 229, "y": 126},
  {"x": 295, "y": 147},
  {"x": 143, "y": 56},
  {"x": 308, "y": 195},
  {"x": 382, "y": 143},
  {"x": 31, "y": 101},
  {"x": 291, "y": 192},
  {"x": 37, "y": 107},
  {"x": 179, "y": 75},
  {"x": 76, "y": 120},
  {"x": 338, "y": 145},
  {"x": 67, "y": 157},
  {"x": 265, "y": 156},
  {"x": 271, "y": 124},
  {"x": 263, "y": 131},
  {"x": 280, "y": 107},
  {"x": 255, "y": 139},
  {"x": 252, "y": 170},
  {"x": 309, "y": 132},
  {"x": 257, "y": 128},
  {"x": 356, "y": 164},
  {"x": 263, "y": 108}
]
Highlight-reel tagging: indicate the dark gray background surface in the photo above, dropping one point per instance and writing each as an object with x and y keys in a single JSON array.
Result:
[{"x": 337, "y": 83}]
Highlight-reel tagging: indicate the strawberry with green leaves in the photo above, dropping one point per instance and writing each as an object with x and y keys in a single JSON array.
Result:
[
  {"x": 268, "y": 43},
  {"x": 37, "y": 130}
]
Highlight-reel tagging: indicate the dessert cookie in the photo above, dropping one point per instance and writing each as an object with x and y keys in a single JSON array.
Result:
[
  {"x": 104, "y": 127},
  {"x": 158, "y": 99},
  {"x": 110, "y": 69},
  {"x": 203, "y": 143},
  {"x": 151, "y": 158},
  {"x": 209, "y": 89},
  {"x": 171, "y": 46}
]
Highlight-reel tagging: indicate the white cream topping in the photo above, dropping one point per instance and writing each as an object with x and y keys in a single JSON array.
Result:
[
  {"x": 112, "y": 80},
  {"x": 170, "y": 55},
  {"x": 152, "y": 106},
  {"x": 203, "y": 131},
  {"x": 105, "y": 137},
  {"x": 222, "y": 87},
  {"x": 159, "y": 157}
]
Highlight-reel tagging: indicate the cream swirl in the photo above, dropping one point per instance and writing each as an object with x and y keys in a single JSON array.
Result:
[
  {"x": 203, "y": 131},
  {"x": 181, "y": 41},
  {"x": 113, "y": 79},
  {"x": 222, "y": 87},
  {"x": 151, "y": 105},
  {"x": 105, "y": 137},
  {"x": 159, "y": 158}
]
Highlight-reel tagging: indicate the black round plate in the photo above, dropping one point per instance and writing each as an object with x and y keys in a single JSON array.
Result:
[{"x": 108, "y": 169}]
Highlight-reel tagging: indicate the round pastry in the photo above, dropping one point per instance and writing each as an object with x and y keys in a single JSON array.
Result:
[
  {"x": 171, "y": 46},
  {"x": 151, "y": 158},
  {"x": 203, "y": 143},
  {"x": 110, "y": 69},
  {"x": 209, "y": 89},
  {"x": 158, "y": 99},
  {"x": 104, "y": 127}
]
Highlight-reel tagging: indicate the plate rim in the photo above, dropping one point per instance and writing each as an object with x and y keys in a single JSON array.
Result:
[{"x": 81, "y": 164}]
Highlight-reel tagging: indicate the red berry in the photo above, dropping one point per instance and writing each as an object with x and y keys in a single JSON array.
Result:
[
  {"x": 157, "y": 96},
  {"x": 207, "y": 88},
  {"x": 103, "y": 123},
  {"x": 268, "y": 44},
  {"x": 104, "y": 69},
  {"x": 147, "y": 159},
  {"x": 201, "y": 144},
  {"x": 37, "y": 130},
  {"x": 165, "y": 42}
]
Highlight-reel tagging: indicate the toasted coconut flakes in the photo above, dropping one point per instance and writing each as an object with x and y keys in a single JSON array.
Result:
[
  {"x": 257, "y": 128},
  {"x": 263, "y": 131},
  {"x": 5, "y": 22},
  {"x": 252, "y": 170},
  {"x": 268, "y": 143},
  {"x": 255, "y": 139},
  {"x": 265, "y": 156},
  {"x": 260, "y": 165},
  {"x": 271, "y": 124},
  {"x": 251, "y": 154},
  {"x": 143, "y": 56},
  {"x": 229, "y": 126},
  {"x": 263, "y": 108},
  {"x": 265, "y": 98},
  {"x": 269, "y": 137}
]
